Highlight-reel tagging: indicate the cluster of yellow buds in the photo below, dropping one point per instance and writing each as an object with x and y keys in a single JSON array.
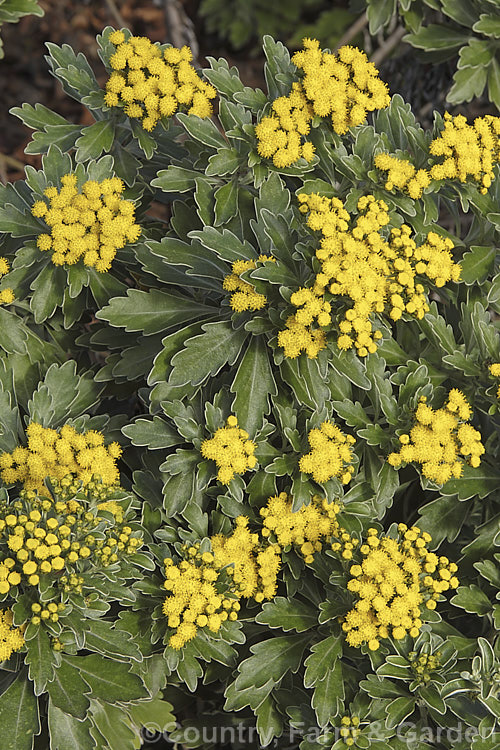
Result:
[
  {"x": 330, "y": 456},
  {"x": 395, "y": 578},
  {"x": 6, "y": 295},
  {"x": 239, "y": 564},
  {"x": 377, "y": 274},
  {"x": 468, "y": 151},
  {"x": 423, "y": 664},
  {"x": 307, "y": 528},
  {"x": 46, "y": 613},
  {"x": 495, "y": 371},
  {"x": 11, "y": 639},
  {"x": 41, "y": 536},
  {"x": 343, "y": 87},
  {"x": 297, "y": 338},
  {"x": 194, "y": 601},
  {"x": 441, "y": 439},
  {"x": 280, "y": 136},
  {"x": 402, "y": 175},
  {"x": 349, "y": 729},
  {"x": 244, "y": 296},
  {"x": 255, "y": 564},
  {"x": 56, "y": 453},
  {"x": 90, "y": 225},
  {"x": 231, "y": 450},
  {"x": 151, "y": 83}
]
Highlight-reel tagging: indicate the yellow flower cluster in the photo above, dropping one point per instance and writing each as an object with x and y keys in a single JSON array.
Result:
[
  {"x": 231, "y": 450},
  {"x": 495, "y": 371},
  {"x": 6, "y": 295},
  {"x": 11, "y": 639},
  {"x": 56, "y": 453},
  {"x": 423, "y": 664},
  {"x": 244, "y": 296},
  {"x": 343, "y": 87},
  {"x": 358, "y": 263},
  {"x": 255, "y": 565},
  {"x": 90, "y": 225},
  {"x": 467, "y": 150},
  {"x": 40, "y": 536},
  {"x": 394, "y": 580},
  {"x": 297, "y": 338},
  {"x": 349, "y": 729},
  {"x": 402, "y": 175},
  {"x": 441, "y": 439},
  {"x": 330, "y": 456},
  {"x": 280, "y": 135},
  {"x": 150, "y": 83},
  {"x": 306, "y": 528},
  {"x": 196, "y": 601}
]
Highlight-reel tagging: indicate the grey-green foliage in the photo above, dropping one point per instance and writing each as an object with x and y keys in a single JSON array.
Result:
[{"x": 445, "y": 29}]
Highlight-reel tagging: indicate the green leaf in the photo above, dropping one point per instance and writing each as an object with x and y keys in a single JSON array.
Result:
[
  {"x": 226, "y": 203},
  {"x": 94, "y": 140},
  {"x": 109, "y": 680},
  {"x": 175, "y": 179},
  {"x": 48, "y": 291},
  {"x": 151, "y": 312},
  {"x": 468, "y": 83},
  {"x": 40, "y": 657},
  {"x": 437, "y": 38},
  {"x": 14, "y": 335},
  {"x": 66, "y": 732},
  {"x": 322, "y": 659},
  {"x": 205, "y": 355},
  {"x": 348, "y": 365},
  {"x": 328, "y": 694},
  {"x": 379, "y": 13},
  {"x": 488, "y": 24},
  {"x": 431, "y": 696},
  {"x": 443, "y": 518},
  {"x": 490, "y": 571},
  {"x": 203, "y": 130},
  {"x": 494, "y": 82},
  {"x": 472, "y": 599},
  {"x": 477, "y": 264},
  {"x": 398, "y": 710},
  {"x": 353, "y": 414},
  {"x": 73, "y": 71},
  {"x": 68, "y": 691},
  {"x": 478, "y": 482},
  {"x": 461, "y": 11},
  {"x": 189, "y": 670},
  {"x": 37, "y": 117},
  {"x": 271, "y": 659},
  {"x": 113, "y": 724},
  {"x": 225, "y": 244},
  {"x": 19, "y": 717},
  {"x": 225, "y": 161},
  {"x": 102, "y": 637},
  {"x": 252, "y": 385},
  {"x": 177, "y": 492},
  {"x": 288, "y": 615},
  {"x": 155, "y": 433},
  {"x": 155, "y": 715},
  {"x": 269, "y": 721}
]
